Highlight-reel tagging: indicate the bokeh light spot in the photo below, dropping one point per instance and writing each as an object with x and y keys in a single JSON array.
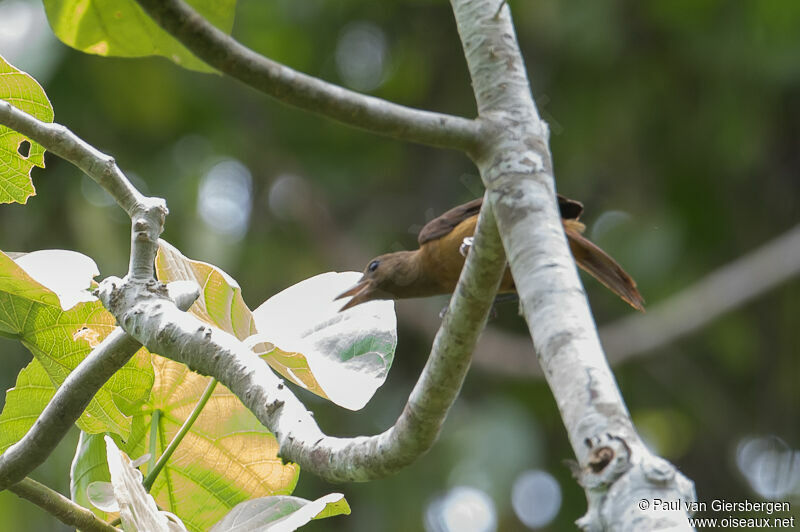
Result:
[
  {"x": 462, "y": 509},
  {"x": 770, "y": 466},
  {"x": 536, "y": 498},
  {"x": 361, "y": 56},
  {"x": 225, "y": 198}
]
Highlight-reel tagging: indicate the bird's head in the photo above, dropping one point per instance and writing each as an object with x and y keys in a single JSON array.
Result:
[{"x": 387, "y": 276}]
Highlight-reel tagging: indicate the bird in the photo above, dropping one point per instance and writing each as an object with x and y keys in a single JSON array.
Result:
[{"x": 435, "y": 267}]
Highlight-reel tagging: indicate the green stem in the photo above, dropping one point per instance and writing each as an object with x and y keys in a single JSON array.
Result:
[
  {"x": 151, "y": 464},
  {"x": 152, "y": 474}
]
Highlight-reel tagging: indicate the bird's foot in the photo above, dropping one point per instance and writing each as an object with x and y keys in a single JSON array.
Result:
[{"x": 465, "y": 246}]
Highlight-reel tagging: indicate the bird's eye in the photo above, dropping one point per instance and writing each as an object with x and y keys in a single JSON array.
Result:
[{"x": 373, "y": 266}]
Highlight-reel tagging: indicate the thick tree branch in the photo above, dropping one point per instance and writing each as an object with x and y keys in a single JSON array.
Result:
[
  {"x": 155, "y": 322},
  {"x": 378, "y": 116},
  {"x": 721, "y": 291},
  {"x": 145, "y": 311},
  {"x": 62, "y": 508},
  {"x": 516, "y": 167}
]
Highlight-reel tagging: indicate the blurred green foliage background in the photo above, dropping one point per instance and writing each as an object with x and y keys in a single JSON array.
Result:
[{"x": 675, "y": 122}]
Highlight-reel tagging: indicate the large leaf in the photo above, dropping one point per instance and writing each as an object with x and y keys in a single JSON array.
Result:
[
  {"x": 23, "y": 92},
  {"x": 280, "y": 514},
  {"x": 226, "y": 458},
  {"x": 120, "y": 28},
  {"x": 342, "y": 356},
  {"x": 59, "y": 340},
  {"x": 349, "y": 353}
]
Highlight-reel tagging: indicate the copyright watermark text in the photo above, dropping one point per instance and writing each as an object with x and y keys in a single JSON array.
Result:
[{"x": 753, "y": 514}]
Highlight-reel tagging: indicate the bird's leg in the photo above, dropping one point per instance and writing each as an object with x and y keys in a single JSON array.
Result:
[{"x": 465, "y": 246}]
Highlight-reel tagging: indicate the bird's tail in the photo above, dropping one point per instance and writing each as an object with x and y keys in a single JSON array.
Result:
[{"x": 601, "y": 266}]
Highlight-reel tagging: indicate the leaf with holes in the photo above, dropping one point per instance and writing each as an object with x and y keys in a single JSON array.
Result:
[{"x": 18, "y": 155}]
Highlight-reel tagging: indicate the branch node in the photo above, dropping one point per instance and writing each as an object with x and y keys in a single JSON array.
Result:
[{"x": 658, "y": 470}]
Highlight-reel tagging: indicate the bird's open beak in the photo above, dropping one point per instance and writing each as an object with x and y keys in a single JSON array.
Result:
[{"x": 361, "y": 292}]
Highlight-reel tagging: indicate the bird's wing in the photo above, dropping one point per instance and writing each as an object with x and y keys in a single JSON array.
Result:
[{"x": 441, "y": 226}]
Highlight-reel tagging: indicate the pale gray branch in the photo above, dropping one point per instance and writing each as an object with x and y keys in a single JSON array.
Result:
[
  {"x": 378, "y": 116},
  {"x": 721, "y": 291},
  {"x": 62, "y": 508},
  {"x": 516, "y": 167},
  {"x": 62, "y": 142},
  {"x": 147, "y": 214},
  {"x": 154, "y": 321},
  {"x": 147, "y": 221},
  {"x": 145, "y": 311},
  {"x": 66, "y": 406}
]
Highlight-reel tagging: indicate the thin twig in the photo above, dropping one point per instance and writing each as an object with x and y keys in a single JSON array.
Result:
[
  {"x": 147, "y": 214},
  {"x": 60, "y": 507},
  {"x": 378, "y": 116}
]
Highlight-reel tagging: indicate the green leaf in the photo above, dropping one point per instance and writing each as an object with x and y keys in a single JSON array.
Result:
[
  {"x": 227, "y": 457},
  {"x": 23, "y": 92},
  {"x": 24, "y": 403},
  {"x": 283, "y": 513},
  {"x": 88, "y": 467},
  {"x": 121, "y": 28},
  {"x": 59, "y": 340}
]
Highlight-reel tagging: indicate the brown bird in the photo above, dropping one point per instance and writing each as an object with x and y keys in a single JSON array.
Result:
[{"x": 434, "y": 268}]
